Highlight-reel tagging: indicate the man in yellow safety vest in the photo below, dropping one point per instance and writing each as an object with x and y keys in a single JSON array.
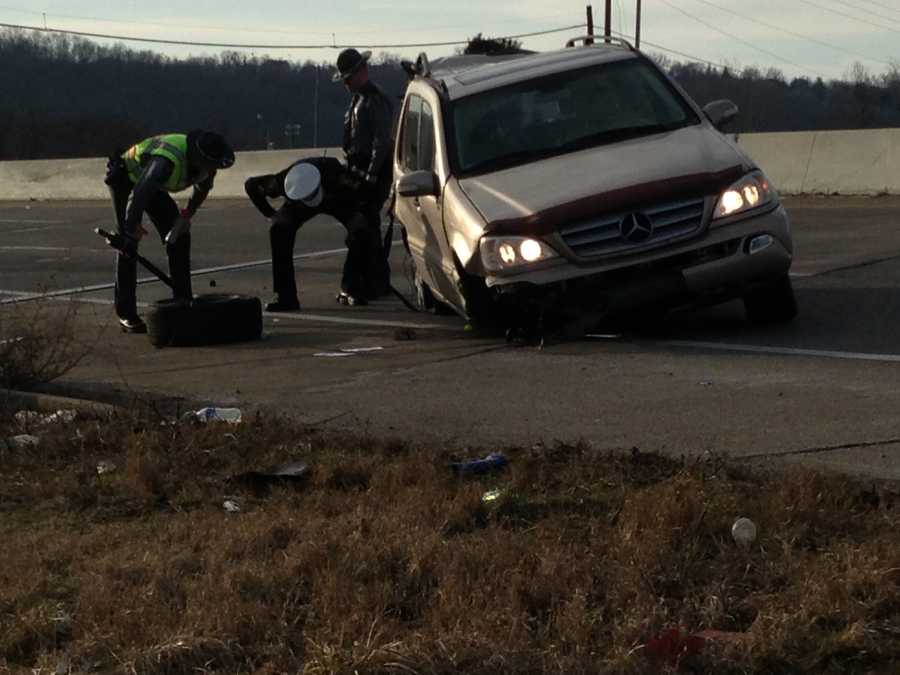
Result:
[{"x": 140, "y": 180}]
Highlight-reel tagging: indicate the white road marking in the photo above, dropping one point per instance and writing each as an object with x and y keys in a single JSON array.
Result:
[
  {"x": 66, "y": 249},
  {"x": 324, "y": 318},
  {"x": 29, "y": 297},
  {"x": 26, "y": 229},
  {"x": 31, "y": 221},
  {"x": 784, "y": 351}
]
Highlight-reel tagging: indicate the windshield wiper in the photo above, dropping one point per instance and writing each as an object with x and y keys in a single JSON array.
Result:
[
  {"x": 510, "y": 159},
  {"x": 606, "y": 136},
  {"x": 619, "y": 134}
]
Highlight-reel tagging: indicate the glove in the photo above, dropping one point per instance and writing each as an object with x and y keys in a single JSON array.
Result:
[
  {"x": 363, "y": 176},
  {"x": 181, "y": 227}
]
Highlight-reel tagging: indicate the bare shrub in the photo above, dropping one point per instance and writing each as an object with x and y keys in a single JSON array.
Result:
[{"x": 38, "y": 343}]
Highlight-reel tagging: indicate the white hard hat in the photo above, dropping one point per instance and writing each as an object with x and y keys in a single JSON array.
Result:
[{"x": 303, "y": 183}]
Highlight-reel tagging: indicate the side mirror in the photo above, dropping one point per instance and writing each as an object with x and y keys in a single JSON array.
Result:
[
  {"x": 721, "y": 112},
  {"x": 418, "y": 184}
]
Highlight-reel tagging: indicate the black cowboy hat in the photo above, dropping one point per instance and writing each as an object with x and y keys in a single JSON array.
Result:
[
  {"x": 211, "y": 148},
  {"x": 348, "y": 62}
]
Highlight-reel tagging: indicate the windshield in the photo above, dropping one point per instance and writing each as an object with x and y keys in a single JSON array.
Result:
[{"x": 562, "y": 113}]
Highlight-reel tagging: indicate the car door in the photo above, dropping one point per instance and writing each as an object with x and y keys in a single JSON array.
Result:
[{"x": 420, "y": 150}]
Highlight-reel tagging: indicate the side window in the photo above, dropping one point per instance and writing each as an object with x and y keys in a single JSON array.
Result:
[
  {"x": 409, "y": 159},
  {"x": 426, "y": 139}
]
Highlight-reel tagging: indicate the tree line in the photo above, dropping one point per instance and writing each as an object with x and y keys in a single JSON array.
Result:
[{"x": 70, "y": 97}]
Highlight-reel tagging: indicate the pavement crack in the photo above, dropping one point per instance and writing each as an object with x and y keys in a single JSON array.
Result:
[
  {"x": 854, "y": 266},
  {"x": 821, "y": 449}
]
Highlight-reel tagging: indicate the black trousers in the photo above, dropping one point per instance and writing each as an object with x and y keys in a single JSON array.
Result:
[
  {"x": 163, "y": 212},
  {"x": 378, "y": 270},
  {"x": 363, "y": 247}
]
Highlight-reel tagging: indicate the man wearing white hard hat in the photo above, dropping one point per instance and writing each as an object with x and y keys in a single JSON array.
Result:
[{"x": 318, "y": 185}]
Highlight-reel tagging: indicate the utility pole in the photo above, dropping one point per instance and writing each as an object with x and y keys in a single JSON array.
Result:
[
  {"x": 607, "y": 30},
  {"x": 590, "y": 25},
  {"x": 316, "y": 110},
  {"x": 637, "y": 28}
]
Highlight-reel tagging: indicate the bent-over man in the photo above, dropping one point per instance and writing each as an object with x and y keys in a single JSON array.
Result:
[{"x": 141, "y": 180}]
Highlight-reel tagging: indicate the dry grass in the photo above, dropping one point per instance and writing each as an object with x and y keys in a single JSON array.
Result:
[{"x": 384, "y": 562}]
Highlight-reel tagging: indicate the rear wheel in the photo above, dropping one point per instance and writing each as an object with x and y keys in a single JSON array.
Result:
[{"x": 773, "y": 303}]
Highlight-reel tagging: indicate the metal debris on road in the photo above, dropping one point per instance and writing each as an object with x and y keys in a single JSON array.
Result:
[{"x": 404, "y": 334}]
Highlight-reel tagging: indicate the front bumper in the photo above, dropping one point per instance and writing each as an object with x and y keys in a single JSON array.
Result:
[{"x": 715, "y": 265}]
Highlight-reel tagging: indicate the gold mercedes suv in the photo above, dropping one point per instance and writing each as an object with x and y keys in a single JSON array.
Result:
[{"x": 585, "y": 182}]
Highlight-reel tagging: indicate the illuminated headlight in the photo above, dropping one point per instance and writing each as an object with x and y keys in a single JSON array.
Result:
[
  {"x": 504, "y": 253},
  {"x": 750, "y": 192}
]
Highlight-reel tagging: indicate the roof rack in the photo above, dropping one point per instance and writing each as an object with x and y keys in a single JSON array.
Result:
[
  {"x": 592, "y": 39},
  {"x": 422, "y": 68}
]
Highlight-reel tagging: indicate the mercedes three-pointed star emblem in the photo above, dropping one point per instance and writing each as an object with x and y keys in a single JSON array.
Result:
[{"x": 635, "y": 228}]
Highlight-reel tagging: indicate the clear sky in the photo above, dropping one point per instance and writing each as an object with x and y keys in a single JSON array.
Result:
[{"x": 799, "y": 37}]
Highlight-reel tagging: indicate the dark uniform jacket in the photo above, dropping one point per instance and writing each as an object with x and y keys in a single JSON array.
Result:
[
  {"x": 367, "y": 133},
  {"x": 153, "y": 179},
  {"x": 338, "y": 188}
]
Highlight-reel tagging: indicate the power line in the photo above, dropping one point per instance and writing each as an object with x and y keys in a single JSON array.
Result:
[
  {"x": 690, "y": 57},
  {"x": 744, "y": 42},
  {"x": 869, "y": 11},
  {"x": 790, "y": 32},
  {"x": 162, "y": 24},
  {"x": 208, "y": 27},
  {"x": 878, "y": 4},
  {"x": 224, "y": 45},
  {"x": 849, "y": 16}
]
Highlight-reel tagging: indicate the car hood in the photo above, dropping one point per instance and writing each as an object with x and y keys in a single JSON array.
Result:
[{"x": 538, "y": 197}]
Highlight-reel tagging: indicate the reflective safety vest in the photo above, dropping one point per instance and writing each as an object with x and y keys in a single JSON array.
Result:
[{"x": 171, "y": 146}]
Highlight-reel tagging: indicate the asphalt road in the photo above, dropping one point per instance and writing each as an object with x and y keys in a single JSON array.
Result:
[{"x": 822, "y": 390}]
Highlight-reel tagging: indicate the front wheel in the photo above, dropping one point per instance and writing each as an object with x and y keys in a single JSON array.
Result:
[
  {"x": 773, "y": 303},
  {"x": 425, "y": 299}
]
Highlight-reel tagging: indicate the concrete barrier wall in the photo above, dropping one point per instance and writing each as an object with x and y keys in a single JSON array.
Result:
[
  {"x": 858, "y": 162},
  {"x": 83, "y": 178},
  {"x": 830, "y": 162}
]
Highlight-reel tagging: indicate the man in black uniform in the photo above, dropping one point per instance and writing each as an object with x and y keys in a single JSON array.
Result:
[
  {"x": 140, "y": 180},
  {"x": 368, "y": 149},
  {"x": 310, "y": 187}
]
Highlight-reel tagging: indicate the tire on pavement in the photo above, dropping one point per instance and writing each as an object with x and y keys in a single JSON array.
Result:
[
  {"x": 207, "y": 319},
  {"x": 773, "y": 303}
]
